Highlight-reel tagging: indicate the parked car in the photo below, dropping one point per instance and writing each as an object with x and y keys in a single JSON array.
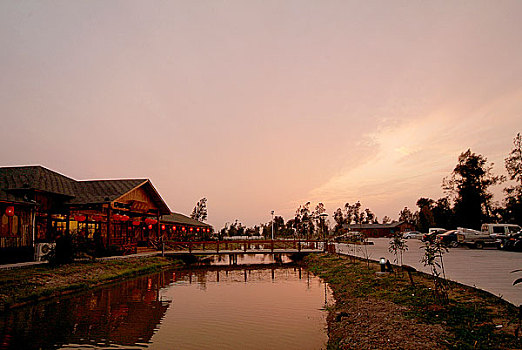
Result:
[
  {"x": 511, "y": 241},
  {"x": 500, "y": 229},
  {"x": 475, "y": 239},
  {"x": 352, "y": 236},
  {"x": 430, "y": 236},
  {"x": 412, "y": 234},
  {"x": 449, "y": 238}
]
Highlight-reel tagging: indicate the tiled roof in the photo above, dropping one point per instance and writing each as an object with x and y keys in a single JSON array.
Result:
[
  {"x": 177, "y": 218},
  {"x": 14, "y": 179},
  {"x": 103, "y": 191},
  {"x": 36, "y": 177}
]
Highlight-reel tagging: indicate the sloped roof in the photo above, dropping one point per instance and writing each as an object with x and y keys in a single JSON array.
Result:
[
  {"x": 36, "y": 177},
  {"x": 14, "y": 179},
  {"x": 369, "y": 226},
  {"x": 103, "y": 191},
  {"x": 177, "y": 218}
]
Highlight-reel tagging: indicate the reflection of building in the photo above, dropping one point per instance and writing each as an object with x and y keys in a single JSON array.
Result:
[
  {"x": 123, "y": 314},
  {"x": 379, "y": 230},
  {"x": 37, "y": 205}
]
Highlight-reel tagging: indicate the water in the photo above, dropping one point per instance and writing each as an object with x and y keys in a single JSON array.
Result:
[{"x": 242, "y": 308}]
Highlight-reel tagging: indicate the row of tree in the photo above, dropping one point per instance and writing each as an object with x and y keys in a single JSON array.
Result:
[{"x": 467, "y": 203}]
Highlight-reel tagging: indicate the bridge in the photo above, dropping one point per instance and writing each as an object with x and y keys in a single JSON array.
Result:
[{"x": 231, "y": 247}]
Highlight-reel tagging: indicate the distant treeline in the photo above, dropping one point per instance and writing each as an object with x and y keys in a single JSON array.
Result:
[{"x": 467, "y": 203}]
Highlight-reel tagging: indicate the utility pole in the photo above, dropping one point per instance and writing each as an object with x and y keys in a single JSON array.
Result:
[{"x": 272, "y": 212}]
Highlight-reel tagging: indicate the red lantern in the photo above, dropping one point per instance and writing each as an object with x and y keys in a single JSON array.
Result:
[
  {"x": 191, "y": 229},
  {"x": 173, "y": 228},
  {"x": 9, "y": 211},
  {"x": 124, "y": 218},
  {"x": 149, "y": 221},
  {"x": 150, "y": 227},
  {"x": 183, "y": 228},
  {"x": 97, "y": 217},
  {"x": 80, "y": 218},
  {"x": 197, "y": 229},
  {"x": 163, "y": 227},
  {"x": 136, "y": 223}
]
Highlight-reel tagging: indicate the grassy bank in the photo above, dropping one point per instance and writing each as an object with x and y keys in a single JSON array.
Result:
[
  {"x": 388, "y": 312},
  {"x": 21, "y": 286}
]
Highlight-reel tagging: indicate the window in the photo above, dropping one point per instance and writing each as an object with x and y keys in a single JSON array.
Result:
[
  {"x": 498, "y": 229},
  {"x": 9, "y": 226}
]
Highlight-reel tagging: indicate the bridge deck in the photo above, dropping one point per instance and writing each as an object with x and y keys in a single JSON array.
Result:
[
  {"x": 283, "y": 246},
  {"x": 237, "y": 251}
]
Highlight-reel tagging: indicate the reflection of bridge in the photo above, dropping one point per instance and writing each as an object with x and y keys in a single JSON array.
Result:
[{"x": 244, "y": 247}]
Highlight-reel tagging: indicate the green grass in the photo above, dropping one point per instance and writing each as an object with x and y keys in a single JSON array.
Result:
[{"x": 469, "y": 316}]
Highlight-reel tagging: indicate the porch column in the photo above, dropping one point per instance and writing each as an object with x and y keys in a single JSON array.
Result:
[
  {"x": 159, "y": 224},
  {"x": 109, "y": 225}
]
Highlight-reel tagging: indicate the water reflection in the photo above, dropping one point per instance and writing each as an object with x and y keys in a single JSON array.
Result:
[
  {"x": 124, "y": 314},
  {"x": 194, "y": 309}
]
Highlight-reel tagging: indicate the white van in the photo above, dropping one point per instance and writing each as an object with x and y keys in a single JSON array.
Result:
[{"x": 500, "y": 229}]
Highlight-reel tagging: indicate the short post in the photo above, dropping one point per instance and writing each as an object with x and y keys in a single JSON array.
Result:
[{"x": 382, "y": 262}]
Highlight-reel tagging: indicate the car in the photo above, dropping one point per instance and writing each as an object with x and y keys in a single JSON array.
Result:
[
  {"x": 352, "y": 236},
  {"x": 430, "y": 236},
  {"x": 412, "y": 234},
  {"x": 510, "y": 242},
  {"x": 449, "y": 238}
]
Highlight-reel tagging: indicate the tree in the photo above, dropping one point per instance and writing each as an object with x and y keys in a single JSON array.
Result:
[
  {"x": 339, "y": 220},
  {"x": 513, "y": 162},
  {"x": 406, "y": 215},
  {"x": 319, "y": 215},
  {"x": 442, "y": 213},
  {"x": 513, "y": 201},
  {"x": 469, "y": 185},
  {"x": 353, "y": 213},
  {"x": 425, "y": 220},
  {"x": 370, "y": 217},
  {"x": 386, "y": 219},
  {"x": 279, "y": 225},
  {"x": 303, "y": 220},
  {"x": 200, "y": 210}
]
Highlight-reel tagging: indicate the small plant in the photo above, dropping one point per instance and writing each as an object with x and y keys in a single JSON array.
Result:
[
  {"x": 432, "y": 257},
  {"x": 398, "y": 246}
]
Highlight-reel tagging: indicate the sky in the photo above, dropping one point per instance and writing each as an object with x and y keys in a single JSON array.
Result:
[{"x": 261, "y": 105}]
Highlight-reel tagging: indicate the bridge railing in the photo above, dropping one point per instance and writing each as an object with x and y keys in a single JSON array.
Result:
[{"x": 244, "y": 245}]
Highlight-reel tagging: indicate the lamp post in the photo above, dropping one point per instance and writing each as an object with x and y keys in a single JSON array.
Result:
[{"x": 272, "y": 212}]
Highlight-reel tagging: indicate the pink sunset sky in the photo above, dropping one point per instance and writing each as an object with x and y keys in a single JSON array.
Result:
[{"x": 261, "y": 105}]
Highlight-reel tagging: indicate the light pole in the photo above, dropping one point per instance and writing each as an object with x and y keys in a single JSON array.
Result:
[{"x": 272, "y": 212}]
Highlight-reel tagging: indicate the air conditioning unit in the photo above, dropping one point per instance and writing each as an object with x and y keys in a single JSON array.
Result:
[{"x": 42, "y": 249}]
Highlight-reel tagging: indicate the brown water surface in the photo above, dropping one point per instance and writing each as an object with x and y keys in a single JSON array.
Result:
[{"x": 241, "y": 308}]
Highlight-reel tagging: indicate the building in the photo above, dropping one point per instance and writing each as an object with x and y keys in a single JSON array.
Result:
[
  {"x": 379, "y": 230},
  {"x": 37, "y": 205},
  {"x": 181, "y": 227}
]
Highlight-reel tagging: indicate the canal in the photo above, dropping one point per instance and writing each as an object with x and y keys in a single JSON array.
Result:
[{"x": 254, "y": 307}]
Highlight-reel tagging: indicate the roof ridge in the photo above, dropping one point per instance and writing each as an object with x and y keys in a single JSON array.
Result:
[{"x": 100, "y": 180}]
